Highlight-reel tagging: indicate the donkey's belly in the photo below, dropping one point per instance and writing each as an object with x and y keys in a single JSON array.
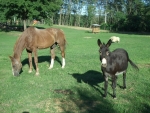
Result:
[{"x": 119, "y": 73}]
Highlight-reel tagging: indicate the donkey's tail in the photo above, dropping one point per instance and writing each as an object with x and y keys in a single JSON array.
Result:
[{"x": 133, "y": 65}]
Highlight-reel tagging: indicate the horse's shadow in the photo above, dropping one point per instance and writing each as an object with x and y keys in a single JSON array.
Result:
[
  {"x": 40, "y": 60},
  {"x": 92, "y": 78}
]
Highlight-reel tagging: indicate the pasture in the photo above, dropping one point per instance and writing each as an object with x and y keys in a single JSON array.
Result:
[{"x": 77, "y": 88}]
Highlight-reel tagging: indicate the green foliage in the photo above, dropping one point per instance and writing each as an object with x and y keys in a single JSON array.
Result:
[
  {"x": 35, "y": 9},
  {"x": 129, "y": 16}
]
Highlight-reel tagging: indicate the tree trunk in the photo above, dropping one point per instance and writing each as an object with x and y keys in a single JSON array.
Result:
[
  {"x": 24, "y": 23},
  {"x": 60, "y": 17}
]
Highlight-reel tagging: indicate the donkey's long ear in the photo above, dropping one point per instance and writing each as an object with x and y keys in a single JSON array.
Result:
[
  {"x": 109, "y": 43},
  {"x": 99, "y": 42}
]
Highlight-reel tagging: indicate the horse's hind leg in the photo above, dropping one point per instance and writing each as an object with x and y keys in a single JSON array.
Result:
[
  {"x": 36, "y": 62},
  {"x": 30, "y": 60},
  {"x": 52, "y": 58},
  {"x": 62, "y": 48}
]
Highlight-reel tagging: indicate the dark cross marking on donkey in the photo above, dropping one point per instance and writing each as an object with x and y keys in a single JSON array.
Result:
[
  {"x": 33, "y": 39},
  {"x": 113, "y": 63}
]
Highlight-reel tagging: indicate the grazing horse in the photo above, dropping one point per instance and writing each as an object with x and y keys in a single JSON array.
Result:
[
  {"x": 112, "y": 64},
  {"x": 33, "y": 39}
]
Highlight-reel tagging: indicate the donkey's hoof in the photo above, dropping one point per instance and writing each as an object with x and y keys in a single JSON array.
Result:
[
  {"x": 104, "y": 96},
  {"x": 124, "y": 88},
  {"x": 114, "y": 97}
]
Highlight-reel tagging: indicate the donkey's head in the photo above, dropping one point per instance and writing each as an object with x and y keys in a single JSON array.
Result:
[
  {"x": 16, "y": 66},
  {"x": 104, "y": 51}
]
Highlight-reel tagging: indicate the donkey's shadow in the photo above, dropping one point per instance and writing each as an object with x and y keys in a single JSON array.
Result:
[
  {"x": 40, "y": 60},
  {"x": 91, "y": 77}
]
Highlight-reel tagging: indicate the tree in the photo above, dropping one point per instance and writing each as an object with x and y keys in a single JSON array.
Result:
[{"x": 26, "y": 9}]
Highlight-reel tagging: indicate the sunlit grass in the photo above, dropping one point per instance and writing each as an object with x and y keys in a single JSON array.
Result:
[{"x": 79, "y": 86}]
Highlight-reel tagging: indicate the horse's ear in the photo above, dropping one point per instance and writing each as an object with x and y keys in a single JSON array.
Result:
[
  {"x": 99, "y": 42},
  {"x": 109, "y": 43},
  {"x": 11, "y": 58}
]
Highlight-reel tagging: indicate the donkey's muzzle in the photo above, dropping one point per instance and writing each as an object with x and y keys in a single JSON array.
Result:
[{"x": 104, "y": 62}]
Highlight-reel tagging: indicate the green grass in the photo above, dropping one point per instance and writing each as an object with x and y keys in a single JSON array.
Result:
[{"x": 78, "y": 87}]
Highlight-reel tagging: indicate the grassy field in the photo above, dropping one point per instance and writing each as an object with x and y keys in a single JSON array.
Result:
[{"x": 77, "y": 88}]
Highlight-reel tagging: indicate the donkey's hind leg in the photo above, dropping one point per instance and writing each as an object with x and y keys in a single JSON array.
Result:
[
  {"x": 52, "y": 51},
  {"x": 124, "y": 80}
]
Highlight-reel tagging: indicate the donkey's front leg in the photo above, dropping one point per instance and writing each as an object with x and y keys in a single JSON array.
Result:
[
  {"x": 105, "y": 86},
  {"x": 124, "y": 80},
  {"x": 36, "y": 62},
  {"x": 114, "y": 80}
]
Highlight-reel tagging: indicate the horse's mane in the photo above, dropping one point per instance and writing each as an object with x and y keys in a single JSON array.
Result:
[{"x": 20, "y": 43}]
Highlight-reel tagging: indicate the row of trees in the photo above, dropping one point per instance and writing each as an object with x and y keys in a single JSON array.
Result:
[
  {"x": 117, "y": 15},
  {"x": 28, "y": 9}
]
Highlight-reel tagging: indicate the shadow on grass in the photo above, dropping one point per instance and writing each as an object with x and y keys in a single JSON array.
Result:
[
  {"x": 91, "y": 77},
  {"x": 146, "y": 108},
  {"x": 40, "y": 60},
  {"x": 87, "y": 102}
]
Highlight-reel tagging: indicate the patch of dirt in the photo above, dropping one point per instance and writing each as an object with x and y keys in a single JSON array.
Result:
[
  {"x": 74, "y": 27},
  {"x": 80, "y": 28},
  {"x": 143, "y": 65},
  {"x": 65, "y": 92},
  {"x": 87, "y": 37}
]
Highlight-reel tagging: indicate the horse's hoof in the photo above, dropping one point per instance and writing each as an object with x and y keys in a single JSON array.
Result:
[
  {"x": 30, "y": 71},
  {"x": 63, "y": 67},
  {"x": 50, "y": 67},
  {"x": 36, "y": 74}
]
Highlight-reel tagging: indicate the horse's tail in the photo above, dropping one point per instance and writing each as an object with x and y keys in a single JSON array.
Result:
[
  {"x": 65, "y": 41},
  {"x": 133, "y": 65}
]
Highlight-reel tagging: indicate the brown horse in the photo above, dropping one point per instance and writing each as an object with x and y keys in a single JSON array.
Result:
[{"x": 33, "y": 39}]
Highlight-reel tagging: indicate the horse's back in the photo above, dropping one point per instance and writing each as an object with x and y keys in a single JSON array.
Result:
[
  {"x": 38, "y": 38},
  {"x": 58, "y": 34}
]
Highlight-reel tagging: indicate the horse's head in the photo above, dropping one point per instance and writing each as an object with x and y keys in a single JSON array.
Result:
[{"x": 16, "y": 66}]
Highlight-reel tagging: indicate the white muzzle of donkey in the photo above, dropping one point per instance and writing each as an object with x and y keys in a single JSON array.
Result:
[{"x": 104, "y": 62}]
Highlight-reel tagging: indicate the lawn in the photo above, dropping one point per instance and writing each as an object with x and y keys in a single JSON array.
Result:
[{"x": 78, "y": 88}]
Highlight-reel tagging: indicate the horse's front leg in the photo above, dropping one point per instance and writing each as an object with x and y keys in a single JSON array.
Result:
[
  {"x": 36, "y": 62},
  {"x": 52, "y": 51},
  {"x": 30, "y": 60}
]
